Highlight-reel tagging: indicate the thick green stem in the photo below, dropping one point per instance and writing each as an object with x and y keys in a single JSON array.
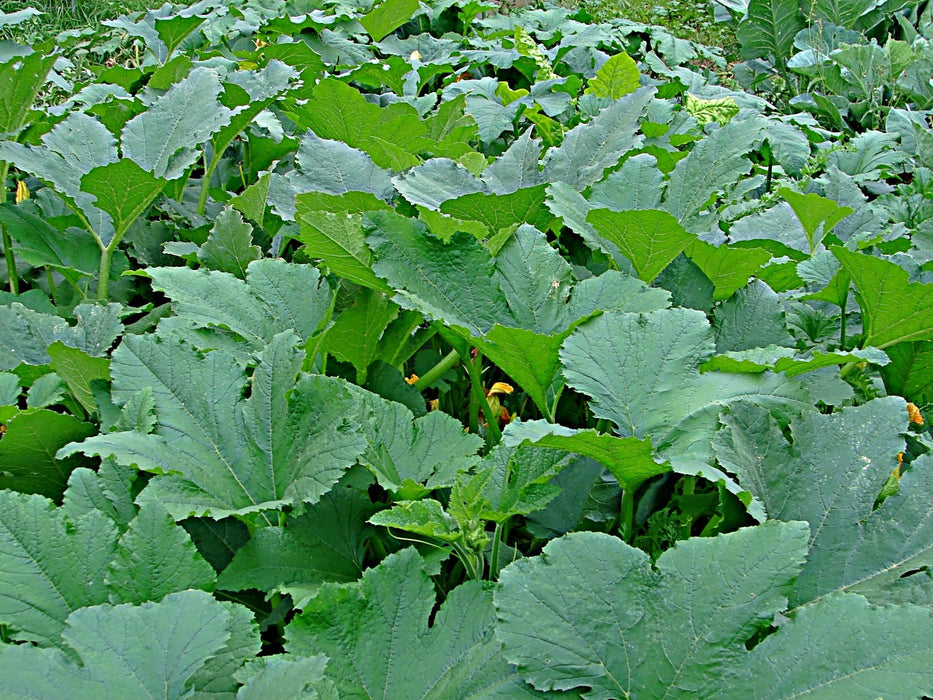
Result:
[
  {"x": 7, "y": 241},
  {"x": 437, "y": 371},
  {"x": 10, "y": 261},
  {"x": 103, "y": 275},
  {"x": 475, "y": 368},
  {"x": 468, "y": 560},
  {"x": 627, "y": 514},
  {"x": 494, "y": 558},
  {"x": 103, "y": 272},
  {"x": 206, "y": 182},
  {"x": 552, "y": 409},
  {"x": 842, "y": 322}
]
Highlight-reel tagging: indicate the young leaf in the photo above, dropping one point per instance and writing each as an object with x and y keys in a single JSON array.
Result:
[
  {"x": 813, "y": 211},
  {"x": 229, "y": 246},
  {"x": 626, "y": 458},
  {"x": 895, "y": 310},
  {"x": 412, "y": 456},
  {"x": 373, "y": 647},
  {"x": 616, "y": 78},
  {"x": 28, "y": 447},
  {"x": 650, "y": 238},
  {"x": 78, "y": 370},
  {"x": 393, "y": 136},
  {"x": 500, "y": 211}
]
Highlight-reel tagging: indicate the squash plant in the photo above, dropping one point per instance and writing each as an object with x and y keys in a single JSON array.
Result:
[{"x": 385, "y": 349}]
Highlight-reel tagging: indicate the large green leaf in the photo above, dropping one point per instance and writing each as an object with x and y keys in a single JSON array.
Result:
[
  {"x": 217, "y": 453},
  {"x": 155, "y": 557},
  {"x": 750, "y": 318},
  {"x": 453, "y": 282},
  {"x": 275, "y": 296},
  {"x": 714, "y": 161},
  {"x": 842, "y": 647},
  {"x": 327, "y": 166},
  {"x": 392, "y": 136},
  {"x": 649, "y": 238},
  {"x": 593, "y": 611},
  {"x": 729, "y": 269},
  {"x": 49, "y": 565},
  {"x": 338, "y": 238},
  {"x": 616, "y": 78},
  {"x": 286, "y": 676},
  {"x": 894, "y": 309},
  {"x": 123, "y": 190},
  {"x": 641, "y": 371},
  {"x": 151, "y": 651},
  {"x": 72, "y": 149},
  {"x": 40, "y": 244},
  {"x": 355, "y": 335},
  {"x": 411, "y": 456},
  {"x": 910, "y": 372},
  {"x": 498, "y": 211},
  {"x": 375, "y": 632},
  {"x": 587, "y": 150},
  {"x": 388, "y": 16},
  {"x": 831, "y": 476},
  {"x": 818, "y": 215},
  {"x": 769, "y": 29},
  {"x": 164, "y": 139}
]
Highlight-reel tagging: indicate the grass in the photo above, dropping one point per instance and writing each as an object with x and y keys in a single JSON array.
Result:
[
  {"x": 61, "y": 15},
  {"x": 687, "y": 19}
]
